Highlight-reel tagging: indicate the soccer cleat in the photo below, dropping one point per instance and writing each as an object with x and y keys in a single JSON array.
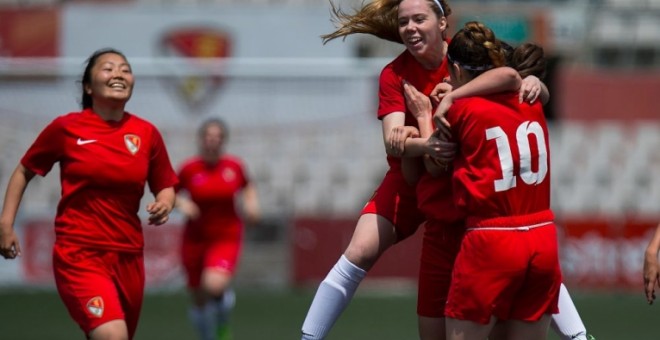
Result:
[{"x": 583, "y": 336}]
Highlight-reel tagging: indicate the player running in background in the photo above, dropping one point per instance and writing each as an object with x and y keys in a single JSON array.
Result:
[
  {"x": 391, "y": 215},
  {"x": 106, "y": 155},
  {"x": 213, "y": 233}
]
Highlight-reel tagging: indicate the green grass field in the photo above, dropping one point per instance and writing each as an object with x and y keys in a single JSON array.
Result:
[{"x": 30, "y": 315}]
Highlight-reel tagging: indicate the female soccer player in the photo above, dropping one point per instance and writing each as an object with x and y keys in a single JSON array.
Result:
[
  {"x": 435, "y": 200},
  {"x": 213, "y": 234},
  {"x": 391, "y": 215},
  {"x": 528, "y": 59},
  {"x": 508, "y": 265},
  {"x": 106, "y": 155}
]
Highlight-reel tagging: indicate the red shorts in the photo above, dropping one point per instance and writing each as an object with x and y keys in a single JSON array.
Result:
[
  {"x": 221, "y": 254},
  {"x": 395, "y": 200},
  {"x": 509, "y": 274},
  {"x": 98, "y": 286},
  {"x": 439, "y": 249}
]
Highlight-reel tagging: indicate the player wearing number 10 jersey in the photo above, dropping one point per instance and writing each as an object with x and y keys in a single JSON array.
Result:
[{"x": 508, "y": 266}]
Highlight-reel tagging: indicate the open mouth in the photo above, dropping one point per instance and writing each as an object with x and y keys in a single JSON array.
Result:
[
  {"x": 117, "y": 86},
  {"x": 414, "y": 41}
]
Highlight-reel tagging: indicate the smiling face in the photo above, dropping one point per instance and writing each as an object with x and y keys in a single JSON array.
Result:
[
  {"x": 420, "y": 28},
  {"x": 111, "y": 79}
]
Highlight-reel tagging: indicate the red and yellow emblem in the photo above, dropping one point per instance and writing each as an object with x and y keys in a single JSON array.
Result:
[
  {"x": 197, "y": 43},
  {"x": 95, "y": 306},
  {"x": 132, "y": 143}
]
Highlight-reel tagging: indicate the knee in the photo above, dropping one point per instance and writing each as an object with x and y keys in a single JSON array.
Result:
[
  {"x": 362, "y": 255},
  {"x": 111, "y": 330},
  {"x": 215, "y": 284},
  {"x": 371, "y": 238}
]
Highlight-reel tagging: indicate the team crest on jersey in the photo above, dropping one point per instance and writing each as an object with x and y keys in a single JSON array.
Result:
[
  {"x": 228, "y": 175},
  {"x": 95, "y": 306},
  {"x": 132, "y": 143}
]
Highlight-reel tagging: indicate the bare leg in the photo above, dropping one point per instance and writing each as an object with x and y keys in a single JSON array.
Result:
[
  {"x": 372, "y": 236},
  {"x": 111, "y": 330},
  {"x": 468, "y": 330},
  {"x": 498, "y": 332},
  {"x": 521, "y": 330},
  {"x": 432, "y": 328}
]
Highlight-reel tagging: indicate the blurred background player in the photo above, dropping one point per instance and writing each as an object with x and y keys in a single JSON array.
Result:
[
  {"x": 98, "y": 254},
  {"x": 391, "y": 215},
  {"x": 213, "y": 233}
]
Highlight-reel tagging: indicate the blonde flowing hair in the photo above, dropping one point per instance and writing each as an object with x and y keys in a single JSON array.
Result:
[{"x": 378, "y": 18}]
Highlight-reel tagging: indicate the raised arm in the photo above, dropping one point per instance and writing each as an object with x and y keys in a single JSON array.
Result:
[
  {"x": 533, "y": 88},
  {"x": 500, "y": 79},
  {"x": 9, "y": 245},
  {"x": 437, "y": 152}
]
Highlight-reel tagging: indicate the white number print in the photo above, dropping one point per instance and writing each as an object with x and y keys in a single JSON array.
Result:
[{"x": 528, "y": 176}]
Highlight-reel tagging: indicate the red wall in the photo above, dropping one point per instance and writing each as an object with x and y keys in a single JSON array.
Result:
[
  {"x": 29, "y": 32},
  {"x": 595, "y": 253},
  {"x": 161, "y": 253},
  {"x": 318, "y": 243},
  {"x": 585, "y": 94}
]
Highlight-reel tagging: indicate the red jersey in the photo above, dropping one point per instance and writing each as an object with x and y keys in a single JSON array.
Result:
[
  {"x": 213, "y": 188},
  {"x": 435, "y": 199},
  {"x": 391, "y": 94},
  {"x": 103, "y": 170},
  {"x": 502, "y": 172},
  {"x": 433, "y": 194}
]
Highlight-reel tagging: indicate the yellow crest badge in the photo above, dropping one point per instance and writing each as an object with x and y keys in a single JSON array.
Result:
[
  {"x": 132, "y": 143},
  {"x": 95, "y": 306},
  {"x": 197, "y": 44}
]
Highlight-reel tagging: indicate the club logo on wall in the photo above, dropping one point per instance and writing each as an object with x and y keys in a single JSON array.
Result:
[{"x": 199, "y": 44}]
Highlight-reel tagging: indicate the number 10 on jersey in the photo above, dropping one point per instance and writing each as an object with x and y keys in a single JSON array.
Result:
[{"x": 528, "y": 176}]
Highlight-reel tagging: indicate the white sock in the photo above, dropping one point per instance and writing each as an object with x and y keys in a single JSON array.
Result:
[
  {"x": 224, "y": 306},
  {"x": 332, "y": 297},
  {"x": 568, "y": 324},
  {"x": 204, "y": 320}
]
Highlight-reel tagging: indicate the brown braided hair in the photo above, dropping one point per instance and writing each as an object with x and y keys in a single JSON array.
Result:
[
  {"x": 529, "y": 59},
  {"x": 476, "y": 49}
]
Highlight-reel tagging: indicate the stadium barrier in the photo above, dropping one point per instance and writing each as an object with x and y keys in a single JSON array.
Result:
[
  {"x": 161, "y": 254},
  {"x": 595, "y": 253}
]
